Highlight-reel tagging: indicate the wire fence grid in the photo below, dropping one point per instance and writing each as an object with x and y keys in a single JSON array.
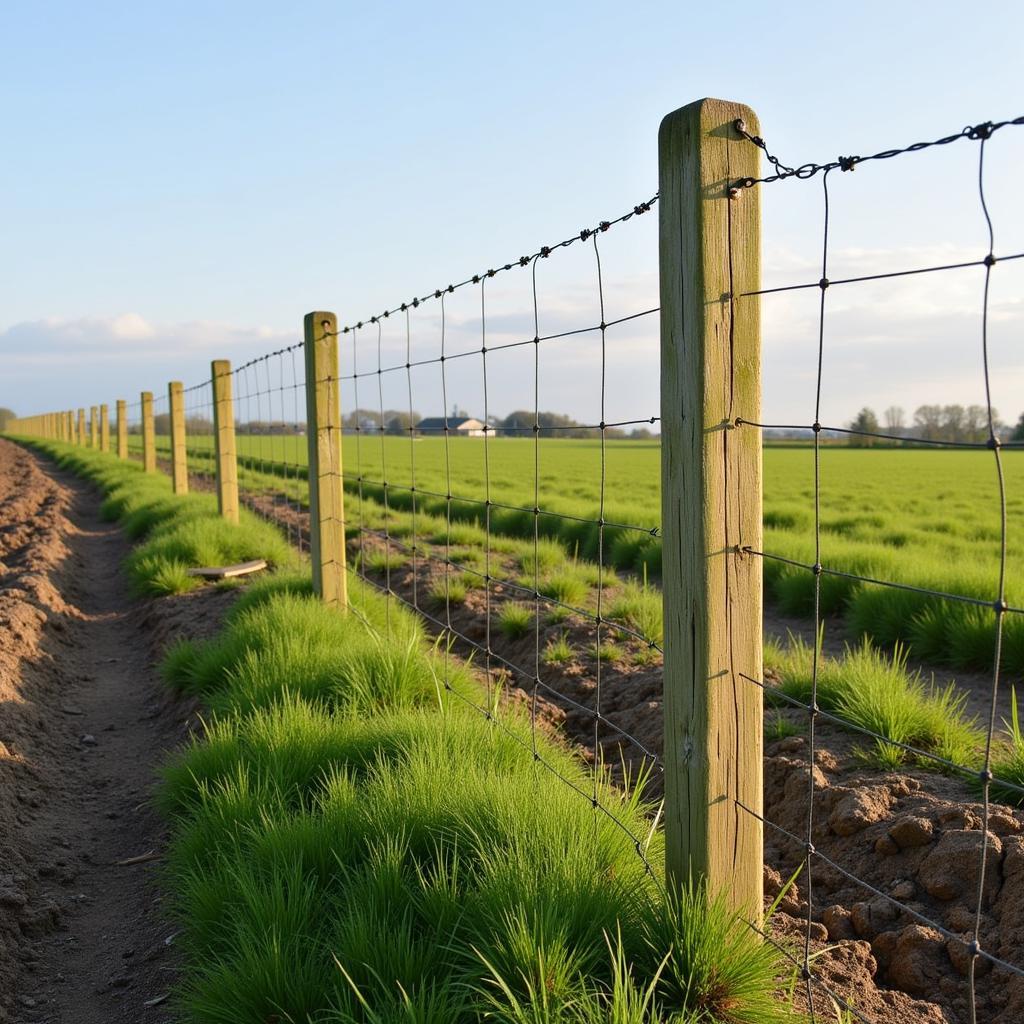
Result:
[{"x": 400, "y": 362}]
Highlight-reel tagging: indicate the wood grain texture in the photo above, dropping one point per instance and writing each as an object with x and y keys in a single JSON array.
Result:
[
  {"x": 82, "y": 437},
  {"x": 148, "y": 433},
  {"x": 711, "y": 501},
  {"x": 226, "y": 456},
  {"x": 94, "y": 427},
  {"x": 179, "y": 459},
  {"x": 323, "y": 432},
  {"x": 122, "y": 428},
  {"x": 104, "y": 428},
  {"x": 72, "y": 428}
]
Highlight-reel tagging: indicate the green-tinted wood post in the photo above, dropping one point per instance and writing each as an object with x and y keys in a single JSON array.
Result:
[
  {"x": 226, "y": 458},
  {"x": 82, "y": 440},
  {"x": 122, "y": 429},
  {"x": 179, "y": 462},
  {"x": 104, "y": 428},
  {"x": 148, "y": 434},
  {"x": 711, "y": 501},
  {"x": 94, "y": 427},
  {"x": 323, "y": 431}
]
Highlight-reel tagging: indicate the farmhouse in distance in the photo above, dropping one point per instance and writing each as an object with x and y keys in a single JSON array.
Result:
[{"x": 462, "y": 426}]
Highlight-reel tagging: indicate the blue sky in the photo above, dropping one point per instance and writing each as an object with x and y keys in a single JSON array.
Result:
[{"x": 182, "y": 182}]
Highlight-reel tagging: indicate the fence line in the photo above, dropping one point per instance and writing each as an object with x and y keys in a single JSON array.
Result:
[{"x": 712, "y": 548}]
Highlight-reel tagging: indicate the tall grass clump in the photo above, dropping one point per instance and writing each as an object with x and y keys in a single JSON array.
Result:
[{"x": 876, "y": 692}]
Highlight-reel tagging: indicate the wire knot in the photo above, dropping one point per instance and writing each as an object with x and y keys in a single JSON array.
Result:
[{"x": 848, "y": 163}]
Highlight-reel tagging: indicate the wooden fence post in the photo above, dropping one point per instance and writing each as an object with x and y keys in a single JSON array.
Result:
[
  {"x": 82, "y": 440},
  {"x": 104, "y": 428},
  {"x": 72, "y": 433},
  {"x": 323, "y": 433},
  {"x": 225, "y": 455},
  {"x": 94, "y": 427},
  {"x": 179, "y": 461},
  {"x": 148, "y": 434},
  {"x": 711, "y": 501},
  {"x": 122, "y": 429}
]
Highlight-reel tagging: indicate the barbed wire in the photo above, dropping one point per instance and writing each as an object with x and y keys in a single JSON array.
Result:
[{"x": 979, "y": 132}]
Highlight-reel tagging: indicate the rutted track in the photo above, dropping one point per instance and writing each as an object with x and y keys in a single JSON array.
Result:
[{"x": 83, "y": 724}]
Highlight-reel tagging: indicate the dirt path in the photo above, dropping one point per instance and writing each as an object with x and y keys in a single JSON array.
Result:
[{"x": 84, "y": 723}]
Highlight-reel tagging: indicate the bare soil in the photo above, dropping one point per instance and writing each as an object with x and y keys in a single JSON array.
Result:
[{"x": 84, "y": 724}]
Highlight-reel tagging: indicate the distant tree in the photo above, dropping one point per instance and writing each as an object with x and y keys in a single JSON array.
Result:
[
  {"x": 867, "y": 423},
  {"x": 928, "y": 422},
  {"x": 400, "y": 422},
  {"x": 640, "y": 434},
  {"x": 162, "y": 423},
  {"x": 952, "y": 422},
  {"x": 1018, "y": 431},
  {"x": 895, "y": 420},
  {"x": 6, "y": 415},
  {"x": 975, "y": 423}
]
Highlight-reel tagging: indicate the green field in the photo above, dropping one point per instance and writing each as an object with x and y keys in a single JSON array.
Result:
[{"x": 918, "y": 517}]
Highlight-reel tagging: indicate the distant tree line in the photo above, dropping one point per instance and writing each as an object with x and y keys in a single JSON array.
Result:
[
  {"x": 515, "y": 424},
  {"x": 955, "y": 423}
]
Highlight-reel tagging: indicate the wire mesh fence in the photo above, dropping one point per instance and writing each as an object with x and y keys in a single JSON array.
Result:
[
  {"x": 456, "y": 475},
  {"x": 994, "y": 605}
]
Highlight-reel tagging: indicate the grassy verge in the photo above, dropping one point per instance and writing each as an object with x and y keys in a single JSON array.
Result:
[
  {"x": 352, "y": 841},
  {"x": 176, "y": 533}
]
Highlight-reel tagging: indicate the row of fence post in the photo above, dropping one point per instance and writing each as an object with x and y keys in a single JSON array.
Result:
[
  {"x": 711, "y": 489},
  {"x": 323, "y": 411}
]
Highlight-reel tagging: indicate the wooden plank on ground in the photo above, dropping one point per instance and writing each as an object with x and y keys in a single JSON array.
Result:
[{"x": 223, "y": 572}]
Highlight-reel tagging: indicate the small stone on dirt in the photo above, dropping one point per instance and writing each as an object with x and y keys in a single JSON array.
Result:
[
  {"x": 911, "y": 831},
  {"x": 88, "y": 740}
]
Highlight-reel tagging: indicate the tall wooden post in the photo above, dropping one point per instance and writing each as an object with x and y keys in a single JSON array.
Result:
[
  {"x": 225, "y": 456},
  {"x": 323, "y": 432},
  {"x": 94, "y": 427},
  {"x": 711, "y": 501},
  {"x": 72, "y": 433},
  {"x": 179, "y": 462},
  {"x": 148, "y": 434},
  {"x": 104, "y": 428},
  {"x": 82, "y": 439},
  {"x": 122, "y": 429}
]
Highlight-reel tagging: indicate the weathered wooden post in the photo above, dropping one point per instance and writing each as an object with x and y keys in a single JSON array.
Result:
[
  {"x": 94, "y": 427},
  {"x": 711, "y": 501},
  {"x": 104, "y": 428},
  {"x": 122, "y": 429},
  {"x": 225, "y": 455},
  {"x": 323, "y": 433},
  {"x": 82, "y": 439},
  {"x": 179, "y": 461},
  {"x": 148, "y": 433}
]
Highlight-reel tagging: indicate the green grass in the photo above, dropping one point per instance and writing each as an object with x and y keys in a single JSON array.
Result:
[
  {"x": 177, "y": 533},
  {"x": 352, "y": 842},
  {"x": 558, "y": 652},
  {"x": 923, "y": 518},
  {"x": 515, "y": 619},
  {"x": 639, "y": 606},
  {"x": 875, "y": 691}
]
